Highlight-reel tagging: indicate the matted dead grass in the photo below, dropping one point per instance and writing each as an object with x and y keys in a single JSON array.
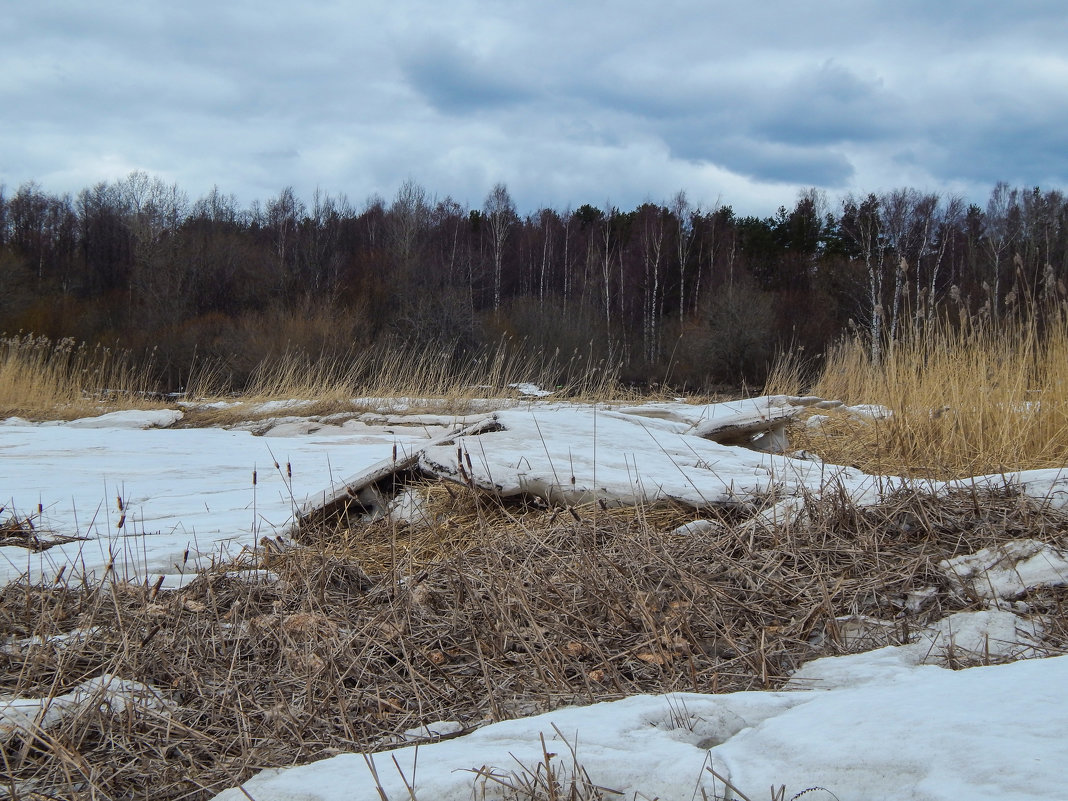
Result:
[
  {"x": 359, "y": 633},
  {"x": 455, "y": 518}
]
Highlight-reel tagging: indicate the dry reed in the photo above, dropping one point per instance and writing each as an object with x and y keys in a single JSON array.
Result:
[
  {"x": 395, "y": 377},
  {"x": 964, "y": 401},
  {"x": 42, "y": 379}
]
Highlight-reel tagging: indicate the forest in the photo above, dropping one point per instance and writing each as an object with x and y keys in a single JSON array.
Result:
[{"x": 667, "y": 293}]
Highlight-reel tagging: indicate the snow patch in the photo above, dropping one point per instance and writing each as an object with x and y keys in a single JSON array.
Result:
[
  {"x": 531, "y": 390},
  {"x": 885, "y": 730},
  {"x": 433, "y": 731},
  {"x": 24, "y": 716},
  {"x": 131, "y": 419},
  {"x": 1008, "y": 571}
]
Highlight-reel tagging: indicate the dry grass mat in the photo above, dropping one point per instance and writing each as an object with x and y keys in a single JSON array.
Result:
[{"x": 357, "y": 634}]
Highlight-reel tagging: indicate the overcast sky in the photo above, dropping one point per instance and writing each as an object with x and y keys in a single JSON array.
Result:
[{"x": 566, "y": 102}]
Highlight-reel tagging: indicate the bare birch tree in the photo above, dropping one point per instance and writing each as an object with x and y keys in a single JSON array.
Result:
[{"x": 500, "y": 215}]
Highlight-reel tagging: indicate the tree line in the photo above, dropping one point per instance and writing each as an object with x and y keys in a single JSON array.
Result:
[{"x": 672, "y": 292}]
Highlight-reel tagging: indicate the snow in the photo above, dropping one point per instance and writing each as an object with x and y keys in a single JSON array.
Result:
[
  {"x": 891, "y": 723},
  {"x": 107, "y": 692},
  {"x": 879, "y": 729},
  {"x": 635, "y": 455},
  {"x": 440, "y": 728},
  {"x": 1009, "y": 570},
  {"x": 1049, "y": 485},
  {"x": 869, "y": 411},
  {"x": 159, "y": 418},
  {"x": 20, "y": 647},
  {"x": 128, "y": 419},
  {"x": 188, "y": 494},
  {"x": 531, "y": 390},
  {"x": 961, "y": 637},
  {"x": 574, "y": 454}
]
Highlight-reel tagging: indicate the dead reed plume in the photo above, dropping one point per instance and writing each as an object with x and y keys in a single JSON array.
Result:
[
  {"x": 42, "y": 379},
  {"x": 361, "y": 631},
  {"x": 965, "y": 401}
]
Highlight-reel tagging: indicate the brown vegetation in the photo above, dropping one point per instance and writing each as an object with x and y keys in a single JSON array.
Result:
[
  {"x": 964, "y": 401},
  {"x": 63, "y": 380},
  {"x": 358, "y": 634},
  {"x": 669, "y": 293}
]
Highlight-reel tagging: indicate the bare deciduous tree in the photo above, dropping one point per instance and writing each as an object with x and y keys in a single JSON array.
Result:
[{"x": 500, "y": 215}]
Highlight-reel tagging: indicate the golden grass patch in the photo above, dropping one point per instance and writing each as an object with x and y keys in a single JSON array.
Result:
[
  {"x": 42, "y": 379},
  {"x": 393, "y": 377},
  {"x": 964, "y": 401}
]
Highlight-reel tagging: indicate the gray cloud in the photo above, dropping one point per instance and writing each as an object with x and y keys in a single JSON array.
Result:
[
  {"x": 456, "y": 82},
  {"x": 565, "y": 102},
  {"x": 764, "y": 160},
  {"x": 827, "y": 105}
]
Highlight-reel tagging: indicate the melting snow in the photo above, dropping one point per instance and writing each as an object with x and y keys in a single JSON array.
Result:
[
  {"x": 115, "y": 695},
  {"x": 879, "y": 725},
  {"x": 877, "y": 728},
  {"x": 1008, "y": 570}
]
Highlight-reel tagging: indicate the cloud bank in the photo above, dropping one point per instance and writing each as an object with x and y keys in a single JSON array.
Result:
[{"x": 566, "y": 103}]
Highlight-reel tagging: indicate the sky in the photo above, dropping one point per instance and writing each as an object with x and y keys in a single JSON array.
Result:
[{"x": 564, "y": 102}]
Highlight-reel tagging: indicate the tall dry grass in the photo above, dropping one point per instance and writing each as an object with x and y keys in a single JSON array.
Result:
[
  {"x": 59, "y": 380},
  {"x": 431, "y": 378},
  {"x": 967, "y": 400},
  {"x": 45, "y": 379}
]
